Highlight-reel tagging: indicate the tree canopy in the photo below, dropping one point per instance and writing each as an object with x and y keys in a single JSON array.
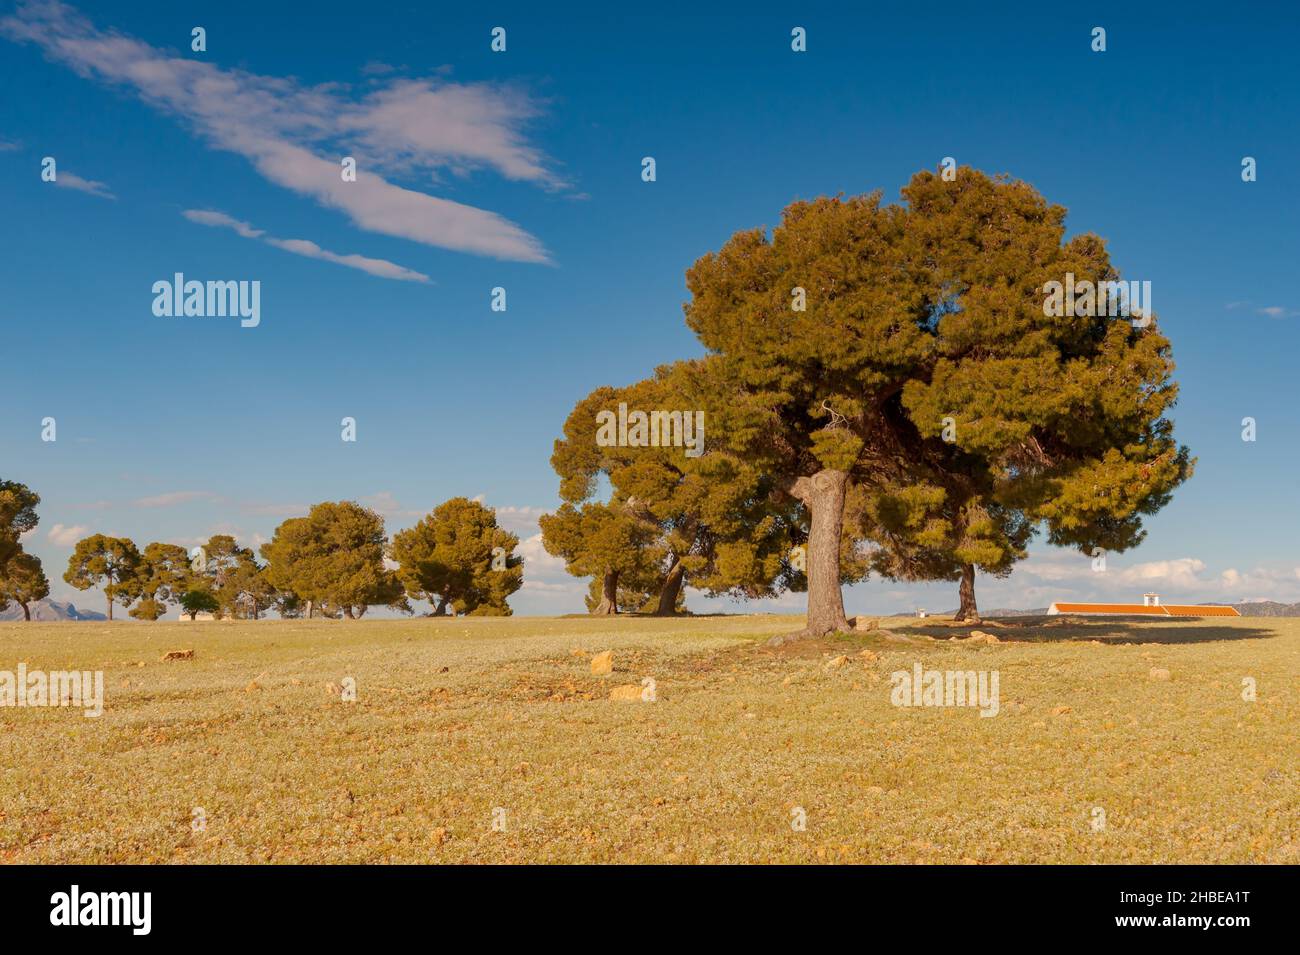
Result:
[
  {"x": 924, "y": 379},
  {"x": 459, "y": 560},
  {"x": 23, "y": 581},
  {"x": 110, "y": 563},
  {"x": 334, "y": 559}
]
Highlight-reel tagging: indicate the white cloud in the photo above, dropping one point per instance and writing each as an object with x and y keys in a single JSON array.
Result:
[
  {"x": 276, "y": 123},
  {"x": 70, "y": 180},
  {"x": 305, "y": 247},
  {"x": 539, "y": 565},
  {"x": 66, "y": 535},
  {"x": 1277, "y": 311},
  {"x": 380, "y": 267},
  {"x": 519, "y": 520},
  {"x": 220, "y": 219},
  {"x": 172, "y": 498}
]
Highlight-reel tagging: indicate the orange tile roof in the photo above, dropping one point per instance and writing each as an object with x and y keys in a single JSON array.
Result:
[
  {"x": 1111, "y": 608},
  {"x": 1176, "y": 610},
  {"x": 1160, "y": 610}
]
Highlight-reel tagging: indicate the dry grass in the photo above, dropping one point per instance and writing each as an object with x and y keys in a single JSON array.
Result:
[{"x": 456, "y": 718}]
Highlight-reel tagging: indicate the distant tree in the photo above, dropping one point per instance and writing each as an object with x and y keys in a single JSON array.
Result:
[
  {"x": 226, "y": 569},
  {"x": 708, "y": 518},
  {"x": 335, "y": 556},
  {"x": 607, "y": 542},
  {"x": 458, "y": 559},
  {"x": 287, "y": 604},
  {"x": 195, "y": 602},
  {"x": 111, "y": 563},
  {"x": 17, "y": 517},
  {"x": 23, "y": 581},
  {"x": 164, "y": 575}
]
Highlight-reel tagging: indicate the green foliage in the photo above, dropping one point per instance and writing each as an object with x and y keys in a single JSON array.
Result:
[
  {"x": 164, "y": 574},
  {"x": 926, "y": 314},
  {"x": 110, "y": 563},
  {"x": 672, "y": 516},
  {"x": 17, "y": 517},
  {"x": 23, "y": 581},
  {"x": 197, "y": 601},
  {"x": 458, "y": 559},
  {"x": 333, "y": 557}
]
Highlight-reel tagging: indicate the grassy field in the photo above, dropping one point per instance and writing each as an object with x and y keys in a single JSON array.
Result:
[{"x": 455, "y": 720}]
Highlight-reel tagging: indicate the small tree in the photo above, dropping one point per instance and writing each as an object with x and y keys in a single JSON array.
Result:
[
  {"x": 457, "y": 558},
  {"x": 164, "y": 575},
  {"x": 195, "y": 602},
  {"x": 606, "y": 542},
  {"x": 23, "y": 581},
  {"x": 335, "y": 556},
  {"x": 112, "y": 563}
]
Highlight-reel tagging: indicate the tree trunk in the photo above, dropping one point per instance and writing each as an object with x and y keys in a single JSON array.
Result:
[
  {"x": 823, "y": 494},
  {"x": 110, "y": 607},
  {"x": 967, "y": 612},
  {"x": 441, "y": 609},
  {"x": 310, "y": 608},
  {"x": 609, "y": 594},
  {"x": 27, "y": 613},
  {"x": 347, "y": 611},
  {"x": 671, "y": 588}
]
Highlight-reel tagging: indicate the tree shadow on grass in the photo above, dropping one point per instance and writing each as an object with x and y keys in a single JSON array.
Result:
[{"x": 1113, "y": 630}]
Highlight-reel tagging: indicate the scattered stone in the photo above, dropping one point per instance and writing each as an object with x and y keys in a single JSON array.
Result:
[
  {"x": 631, "y": 693},
  {"x": 1061, "y": 710},
  {"x": 836, "y": 662},
  {"x": 178, "y": 655},
  {"x": 440, "y": 835},
  {"x": 602, "y": 663},
  {"x": 869, "y": 655},
  {"x": 865, "y": 623},
  {"x": 1159, "y": 673},
  {"x": 981, "y": 636},
  {"x": 577, "y": 652}
]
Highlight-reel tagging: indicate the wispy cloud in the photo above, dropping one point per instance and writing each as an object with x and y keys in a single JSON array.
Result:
[
  {"x": 66, "y": 535},
  {"x": 173, "y": 498},
  {"x": 70, "y": 180},
  {"x": 305, "y": 247},
  {"x": 8, "y": 147},
  {"x": 286, "y": 130},
  {"x": 1278, "y": 311}
]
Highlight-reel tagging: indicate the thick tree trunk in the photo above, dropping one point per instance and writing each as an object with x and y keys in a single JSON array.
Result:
[
  {"x": 671, "y": 589},
  {"x": 441, "y": 609},
  {"x": 310, "y": 608},
  {"x": 823, "y": 494},
  {"x": 27, "y": 613},
  {"x": 347, "y": 611},
  {"x": 967, "y": 612},
  {"x": 608, "y": 594},
  {"x": 110, "y": 608}
]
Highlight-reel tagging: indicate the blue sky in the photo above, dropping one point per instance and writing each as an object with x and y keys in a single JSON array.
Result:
[{"x": 521, "y": 169}]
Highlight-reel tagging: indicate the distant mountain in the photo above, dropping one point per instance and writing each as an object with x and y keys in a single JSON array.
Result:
[
  {"x": 1268, "y": 608},
  {"x": 47, "y": 610}
]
